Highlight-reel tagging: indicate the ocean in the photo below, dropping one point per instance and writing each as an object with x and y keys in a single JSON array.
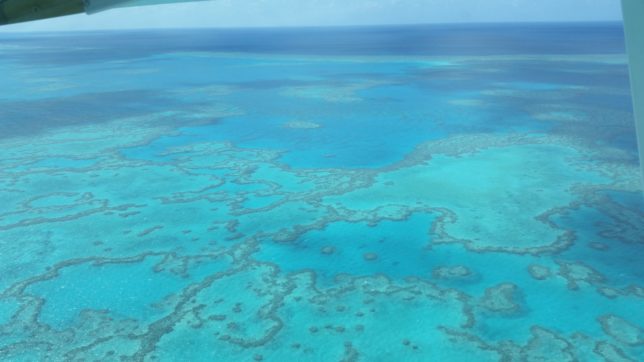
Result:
[{"x": 414, "y": 193}]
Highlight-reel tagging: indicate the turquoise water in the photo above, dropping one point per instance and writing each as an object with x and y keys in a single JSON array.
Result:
[{"x": 320, "y": 195}]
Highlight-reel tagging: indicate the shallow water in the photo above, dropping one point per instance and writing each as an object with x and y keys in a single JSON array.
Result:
[{"x": 320, "y": 194}]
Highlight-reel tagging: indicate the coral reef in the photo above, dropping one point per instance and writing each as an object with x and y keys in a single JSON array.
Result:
[{"x": 195, "y": 224}]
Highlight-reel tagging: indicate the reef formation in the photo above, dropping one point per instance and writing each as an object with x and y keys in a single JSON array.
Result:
[{"x": 482, "y": 225}]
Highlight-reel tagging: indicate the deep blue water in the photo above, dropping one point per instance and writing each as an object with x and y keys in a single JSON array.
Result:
[{"x": 442, "y": 40}]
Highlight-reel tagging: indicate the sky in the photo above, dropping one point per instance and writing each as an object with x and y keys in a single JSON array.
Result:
[{"x": 263, "y": 13}]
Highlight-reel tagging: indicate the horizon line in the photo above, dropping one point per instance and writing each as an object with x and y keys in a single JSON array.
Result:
[{"x": 375, "y": 25}]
